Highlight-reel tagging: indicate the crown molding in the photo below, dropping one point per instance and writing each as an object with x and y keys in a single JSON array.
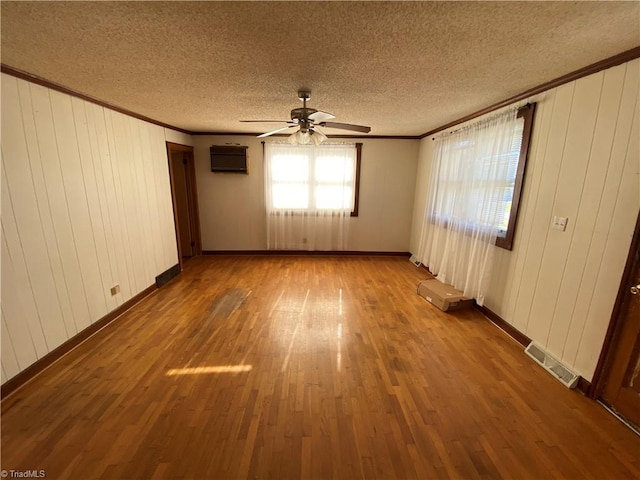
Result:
[
  {"x": 14, "y": 72},
  {"x": 613, "y": 61},
  {"x": 281, "y": 135},
  {"x": 618, "y": 59}
]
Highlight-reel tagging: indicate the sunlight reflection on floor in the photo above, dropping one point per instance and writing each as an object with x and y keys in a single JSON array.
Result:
[{"x": 217, "y": 369}]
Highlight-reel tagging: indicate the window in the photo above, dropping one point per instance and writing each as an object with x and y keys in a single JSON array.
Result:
[
  {"x": 473, "y": 192},
  {"x": 304, "y": 178},
  {"x": 513, "y": 186}
]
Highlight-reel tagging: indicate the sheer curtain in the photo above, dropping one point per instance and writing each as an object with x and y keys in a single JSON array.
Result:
[
  {"x": 467, "y": 199},
  {"x": 309, "y": 195}
]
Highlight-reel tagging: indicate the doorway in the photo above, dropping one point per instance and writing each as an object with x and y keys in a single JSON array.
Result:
[
  {"x": 617, "y": 379},
  {"x": 185, "y": 201}
]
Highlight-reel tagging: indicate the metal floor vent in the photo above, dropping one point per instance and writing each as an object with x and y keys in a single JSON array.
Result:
[
  {"x": 552, "y": 365},
  {"x": 415, "y": 260}
]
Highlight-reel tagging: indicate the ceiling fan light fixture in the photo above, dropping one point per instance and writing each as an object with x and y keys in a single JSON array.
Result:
[
  {"x": 305, "y": 138},
  {"x": 300, "y": 138},
  {"x": 317, "y": 137}
]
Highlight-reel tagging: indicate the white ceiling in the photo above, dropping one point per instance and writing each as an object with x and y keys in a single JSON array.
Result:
[{"x": 403, "y": 68}]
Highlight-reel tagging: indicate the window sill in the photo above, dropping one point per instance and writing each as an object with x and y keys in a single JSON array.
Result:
[
  {"x": 302, "y": 213},
  {"x": 504, "y": 241}
]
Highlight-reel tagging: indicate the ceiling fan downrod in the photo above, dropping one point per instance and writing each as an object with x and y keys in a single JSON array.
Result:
[{"x": 301, "y": 115}]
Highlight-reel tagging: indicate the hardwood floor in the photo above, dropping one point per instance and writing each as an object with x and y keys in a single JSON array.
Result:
[{"x": 305, "y": 367}]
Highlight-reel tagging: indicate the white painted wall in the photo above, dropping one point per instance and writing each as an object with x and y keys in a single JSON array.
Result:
[
  {"x": 232, "y": 208},
  {"x": 86, "y": 204},
  {"x": 559, "y": 287}
]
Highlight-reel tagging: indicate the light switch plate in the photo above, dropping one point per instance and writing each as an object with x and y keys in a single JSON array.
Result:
[{"x": 559, "y": 223}]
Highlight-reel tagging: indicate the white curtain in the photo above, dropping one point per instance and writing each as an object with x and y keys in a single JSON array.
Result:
[
  {"x": 466, "y": 202},
  {"x": 309, "y": 195}
]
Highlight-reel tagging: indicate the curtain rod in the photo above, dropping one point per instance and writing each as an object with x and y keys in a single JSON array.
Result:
[{"x": 524, "y": 107}]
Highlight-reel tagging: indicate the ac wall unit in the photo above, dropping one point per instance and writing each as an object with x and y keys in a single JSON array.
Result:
[
  {"x": 229, "y": 159},
  {"x": 552, "y": 365}
]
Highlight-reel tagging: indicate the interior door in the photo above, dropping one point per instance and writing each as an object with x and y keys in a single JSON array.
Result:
[
  {"x": 181, "y": 199},
  {"x": 622, "y": 379},
  {"x": 185, "y": 200}
]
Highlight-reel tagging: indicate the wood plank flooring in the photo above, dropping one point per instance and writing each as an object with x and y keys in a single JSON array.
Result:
[{"x": 305, "y": 367}]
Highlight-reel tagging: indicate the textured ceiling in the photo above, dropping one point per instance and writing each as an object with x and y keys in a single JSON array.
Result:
[{"x": 402, "y": 68}]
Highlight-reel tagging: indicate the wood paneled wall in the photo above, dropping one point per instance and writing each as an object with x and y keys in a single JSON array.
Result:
[
  {"x": 86, "y": 204},
  {"x": 181, "y": 138},
  {"x": 559, "y": 287}
]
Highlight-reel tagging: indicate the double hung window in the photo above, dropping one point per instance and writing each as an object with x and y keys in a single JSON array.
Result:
[
  {"x": 309, "y": 178},
  {"x": 480, "y": 177}
]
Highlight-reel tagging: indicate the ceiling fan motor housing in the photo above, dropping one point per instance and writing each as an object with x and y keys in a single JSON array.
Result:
[
  {"x": 306, "y": 118},
  {"x": 301, "y": 117}
]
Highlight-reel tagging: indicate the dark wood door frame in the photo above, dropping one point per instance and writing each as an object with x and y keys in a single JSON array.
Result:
[
  {"x": 615, "y": 325},
  {"x": 192, "y": 194}
]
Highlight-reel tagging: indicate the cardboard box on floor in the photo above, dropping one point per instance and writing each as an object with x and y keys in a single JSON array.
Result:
[{"x": 443, "y": 296}]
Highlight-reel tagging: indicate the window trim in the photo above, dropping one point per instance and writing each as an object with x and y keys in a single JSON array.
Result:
[
  {"x": 356, "y": 200},
  {"x": 356, "y": 184},
  {"x": 527, "y": 112}
]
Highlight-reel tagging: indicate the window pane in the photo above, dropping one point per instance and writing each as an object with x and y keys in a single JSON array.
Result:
[
  {"x": 334, "y": 169},
  {"x": 514, "y": 153},
  {"x": 330, "y": 197},
  {"x": 306, "y": 178},
  {"x": 290, "y": 196},
  {"x": 290, "y": 168},
  {"x": 479, "y": 175}
]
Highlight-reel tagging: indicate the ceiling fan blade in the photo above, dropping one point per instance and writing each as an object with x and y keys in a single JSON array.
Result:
[
  {"x": 318, "y": 117},
  {"x": 346, "y": 126},
  {"x": 266, "y": 121},
  {"x": 272, "y": 132}
]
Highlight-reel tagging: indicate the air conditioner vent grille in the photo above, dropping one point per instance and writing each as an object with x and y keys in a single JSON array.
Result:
[
  {"x": 536, "y": 353},
  {"x": 552, "y": 365}
]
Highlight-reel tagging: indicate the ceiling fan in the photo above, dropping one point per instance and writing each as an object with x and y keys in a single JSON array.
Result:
[{"x": 308, "y": 120}]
